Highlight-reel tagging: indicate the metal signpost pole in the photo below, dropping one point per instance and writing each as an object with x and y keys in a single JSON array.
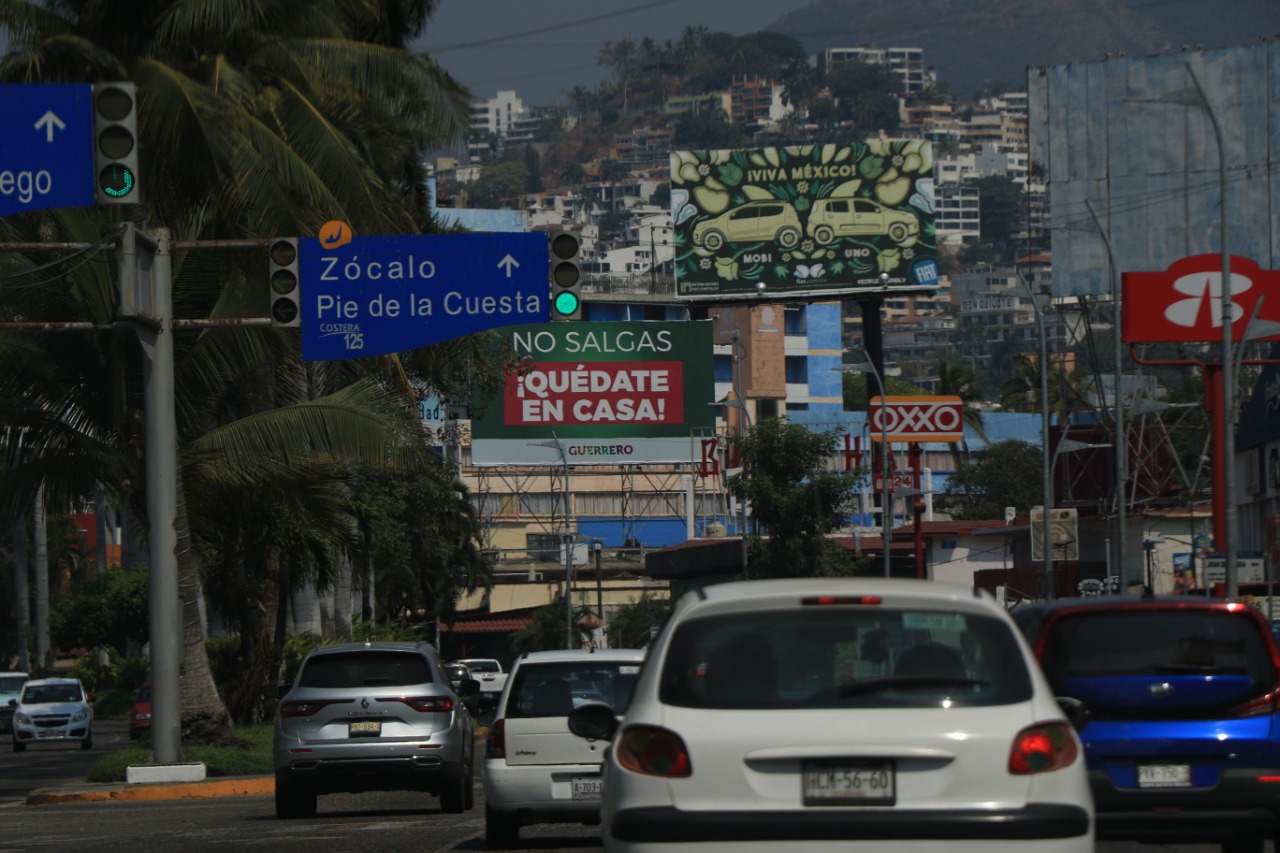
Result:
[
  {"x": 156, "y": 335},
  {"x": 1046, "y": 485},
  {"x": 886, "y": 493}
]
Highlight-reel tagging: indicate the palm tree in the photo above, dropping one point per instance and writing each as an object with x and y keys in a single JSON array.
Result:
[
  {"x": 1023, "y": 391},
  {"x": 957, "y": 379},
  {"x": 611, "y": 172},
  {"x": 254, "y": 120}
]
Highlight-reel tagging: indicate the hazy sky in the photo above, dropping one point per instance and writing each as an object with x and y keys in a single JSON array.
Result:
[{"x": 543, "y": 48}]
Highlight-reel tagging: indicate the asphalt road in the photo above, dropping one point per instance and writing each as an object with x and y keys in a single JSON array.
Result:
[
  {"x": 46, "y": 765},
  {"x": 388, "y": 822}
]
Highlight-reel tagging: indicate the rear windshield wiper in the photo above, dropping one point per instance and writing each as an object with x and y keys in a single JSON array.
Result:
[
  {"x": 1199, "y": 669},
  {"x": 891, "y": 682}
]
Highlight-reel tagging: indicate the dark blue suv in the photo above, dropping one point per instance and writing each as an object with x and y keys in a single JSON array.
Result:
[{"x": 1177, "y": 702}]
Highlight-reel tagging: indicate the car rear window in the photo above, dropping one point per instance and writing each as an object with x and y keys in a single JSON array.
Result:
[
  {"x": 365, "y": 669},
  {"x": 1155, "y": 643},
  {"x": 841, "y": 657},
  {"x": 555, "y": 689},
  {"x": 483, "y": 665}
]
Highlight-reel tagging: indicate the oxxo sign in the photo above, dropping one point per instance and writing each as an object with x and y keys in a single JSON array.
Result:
[{"x": 917, "y": 418}]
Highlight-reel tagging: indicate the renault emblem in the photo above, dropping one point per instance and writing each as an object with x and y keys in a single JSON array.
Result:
[{"x": 364, "y": 703}]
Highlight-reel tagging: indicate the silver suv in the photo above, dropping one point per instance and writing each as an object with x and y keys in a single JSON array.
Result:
[{"x": 373, "y": 717}]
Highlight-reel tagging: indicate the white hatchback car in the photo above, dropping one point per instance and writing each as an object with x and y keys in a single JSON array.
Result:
[
  {"x": 53, "y": 709},
  {"x": 535, "y": 770},
  {"x": 840, "y": 714}
]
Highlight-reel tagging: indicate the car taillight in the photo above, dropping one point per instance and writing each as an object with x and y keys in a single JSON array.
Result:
[
  {"x": 653, "y": 751},
  {"x": 496, "y": 743},
  {"x": 305, "y": 708},
  {"x": 1039, "y": 749},
  {"x": 427, "y": 704}
]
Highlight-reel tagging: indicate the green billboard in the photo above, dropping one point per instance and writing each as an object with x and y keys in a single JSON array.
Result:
[
  {"x": 605, "y": 393},
  {"x": 808, "y": 220}
]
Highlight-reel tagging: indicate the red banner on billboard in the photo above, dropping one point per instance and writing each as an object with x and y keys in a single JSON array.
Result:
[
  {"x": 917, "y": 418},
  {"x": 552, "y": 393},
  {"x": 1184, "y": 303}
]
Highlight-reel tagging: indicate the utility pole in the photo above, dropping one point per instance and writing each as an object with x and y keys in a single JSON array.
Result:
[{"x": 146, "y": 299}]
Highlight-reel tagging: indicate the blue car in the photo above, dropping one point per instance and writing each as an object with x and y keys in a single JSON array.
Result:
[{"x": 1177, "y": 704}]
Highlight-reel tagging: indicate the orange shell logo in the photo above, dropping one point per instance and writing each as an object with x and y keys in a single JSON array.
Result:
[{"x": 334, "y": 233}]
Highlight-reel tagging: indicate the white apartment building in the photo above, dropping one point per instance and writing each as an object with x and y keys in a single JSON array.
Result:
[{"x": 498, "y": 114}]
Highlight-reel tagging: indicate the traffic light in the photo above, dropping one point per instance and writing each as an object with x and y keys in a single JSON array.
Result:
[
  {"x": 115, "y": 142},
  {"x": 285, "y": 294},
  {"x": 565, "y": 275}
]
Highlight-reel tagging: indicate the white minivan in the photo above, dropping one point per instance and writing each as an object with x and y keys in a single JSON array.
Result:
[{"x": 535, "y": 770}]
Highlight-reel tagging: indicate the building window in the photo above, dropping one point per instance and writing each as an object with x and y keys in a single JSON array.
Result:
[
  {"x": 796, "y": 320},
  {"x": 723, "y": 368},
  {"x": 797, "y": 368}
]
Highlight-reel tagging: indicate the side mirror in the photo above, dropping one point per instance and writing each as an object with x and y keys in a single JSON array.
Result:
[
  {"x": 593, "y": 721},
  {"x": 282, "y": 689},
  {"x": 468, "y": 688},
  {"x": 13, "y": 703},
  {"x": 487, "y": 716},
  {"x": 1076, "y": 712}
]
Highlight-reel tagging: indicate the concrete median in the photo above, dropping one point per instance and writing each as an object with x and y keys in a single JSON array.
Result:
[{"x": 227, "y": 787}]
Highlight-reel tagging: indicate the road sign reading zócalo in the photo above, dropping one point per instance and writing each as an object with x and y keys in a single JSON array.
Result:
[
  {"x": 381, "y": 295},
  {"x": 46, "y": 149}
]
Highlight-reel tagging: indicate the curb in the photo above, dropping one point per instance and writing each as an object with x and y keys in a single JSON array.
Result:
[
  {"x": 183, "y": 791},
  {"x": 139, "y": 792}
]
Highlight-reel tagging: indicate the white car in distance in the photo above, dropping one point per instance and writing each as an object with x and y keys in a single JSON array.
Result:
[
  {"x": 840, "y": 714},
  {"x": 51, "y": 710},
  {"x": 490, "y": 674}
]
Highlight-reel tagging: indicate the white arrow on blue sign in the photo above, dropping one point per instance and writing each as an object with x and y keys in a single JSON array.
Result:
[
  {"x": 381, "y": 295},
  {"x": 46, "y": 147}
]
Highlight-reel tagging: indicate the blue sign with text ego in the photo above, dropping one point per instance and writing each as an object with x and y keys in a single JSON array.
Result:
[{"x": 46, "y": 147}]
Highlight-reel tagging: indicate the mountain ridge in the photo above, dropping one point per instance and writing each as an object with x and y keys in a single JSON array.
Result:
[{"x": 974, "y": 43}]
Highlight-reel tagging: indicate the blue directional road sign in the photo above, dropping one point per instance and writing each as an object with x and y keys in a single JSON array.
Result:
[
  {"x": 46, "y": 147},
  {"x": 381, "y": 295}
]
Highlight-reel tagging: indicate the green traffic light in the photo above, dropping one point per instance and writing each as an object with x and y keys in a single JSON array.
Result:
[
  {"x": 566, "y": 303},
  {"x": 116, "y": 180}
]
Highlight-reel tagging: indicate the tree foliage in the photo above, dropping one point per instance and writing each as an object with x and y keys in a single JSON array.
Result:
[
  {"x": 108, "y": 610},
  {"x": 419, "y": 535},
  {"x": 707, "y": 129},
  {"x": 631, "y": 625},
  {"x": 865, "y": 94},
  {"x": 1007, "y": 473},
  {"x": 501, "y": 185},
  {"x": 859, "y": 388},
  {"x": 795, "y": 503},
  {"x": 255, "y": 120},
  {"x": 548, "y": 630}
]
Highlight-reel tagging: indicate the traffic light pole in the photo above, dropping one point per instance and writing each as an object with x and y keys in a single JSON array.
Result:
[{"x": 155, "y": 331}]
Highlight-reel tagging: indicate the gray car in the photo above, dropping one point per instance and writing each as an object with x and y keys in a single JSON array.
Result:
[{"x": 373, "y": 717}]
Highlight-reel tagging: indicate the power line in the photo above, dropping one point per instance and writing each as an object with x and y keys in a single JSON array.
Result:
[{"x": 553, "y": 28}]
